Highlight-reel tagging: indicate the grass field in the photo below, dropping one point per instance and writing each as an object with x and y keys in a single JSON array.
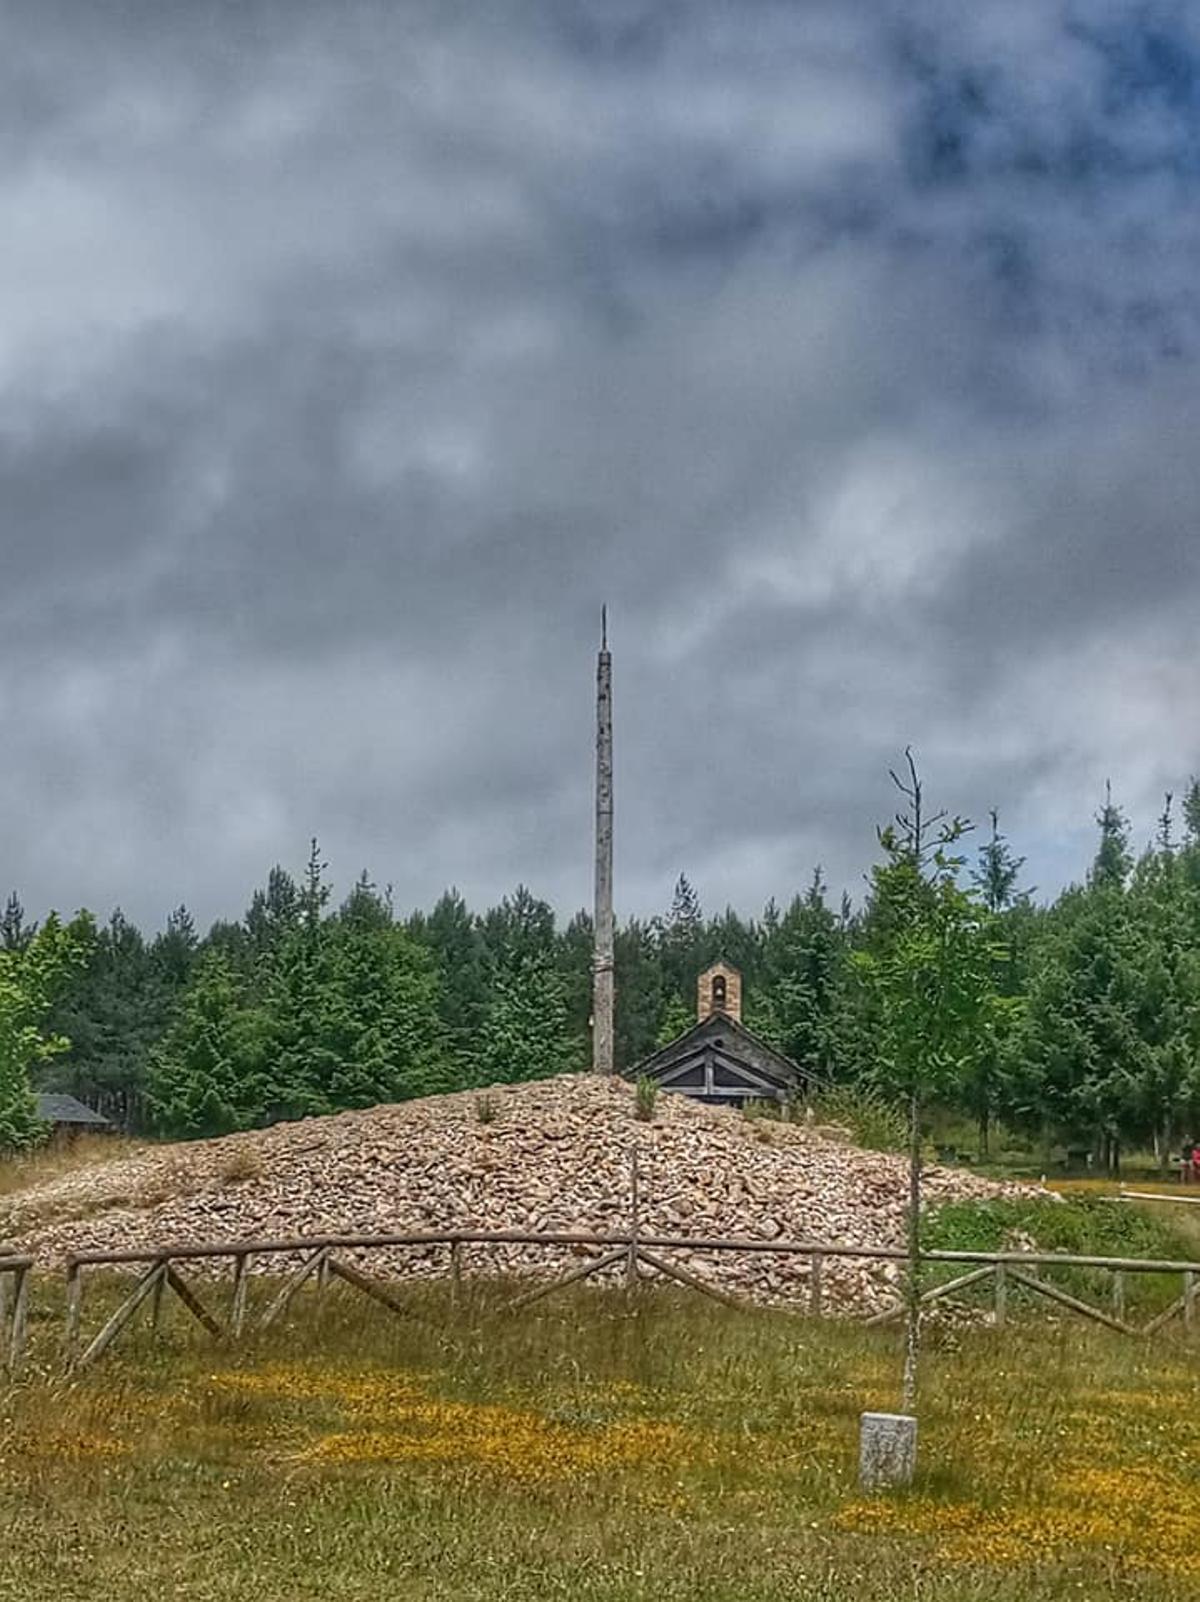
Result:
[
  {"x": 659, "y": 1448},
  {"x": 46, "y": 1163}
]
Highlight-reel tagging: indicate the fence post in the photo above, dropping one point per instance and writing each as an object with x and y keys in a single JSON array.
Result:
[
  {"x": 455, "y": 1272},
  {"x": 20, "y": 1315},
  {"x": 1001, "y": 1303},
  {"x": 1189, "y": 1299},
  {"x": 74, "y": 1310},
  {"x": 815, "y": 1296},
  {"x": 631, "y": 1260},
  {"x": 1118, "y": 1294},
  {"x": 156, "y": 1300},
  {"x": 237, "y": 1314}
]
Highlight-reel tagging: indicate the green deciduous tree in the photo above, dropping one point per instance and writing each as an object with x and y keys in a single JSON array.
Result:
[
  {"x": 931, "y": 977},
  {"x": 676, "y": 1017},
  {"x": 31, "y": 975}
]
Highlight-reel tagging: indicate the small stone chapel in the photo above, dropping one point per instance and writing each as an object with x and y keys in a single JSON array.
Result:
[{"x": 719, "y": 1060}]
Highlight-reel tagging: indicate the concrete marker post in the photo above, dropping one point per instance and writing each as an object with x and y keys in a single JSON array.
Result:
[{"x": 887, "y": 1450}]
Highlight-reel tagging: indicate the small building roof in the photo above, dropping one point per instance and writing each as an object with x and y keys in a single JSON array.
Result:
[
  {"x": 59, "y": 1109},
  {"x": 719, "y": 1047}
]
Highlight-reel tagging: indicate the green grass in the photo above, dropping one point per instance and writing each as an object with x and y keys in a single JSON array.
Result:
[
  {"x": 1081, "y": 1225},
  {"x": 1088, "y": 1226},
  {"x": 594, "y": 1448}
]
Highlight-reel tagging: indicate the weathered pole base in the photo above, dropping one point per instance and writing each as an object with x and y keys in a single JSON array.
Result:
[{"x": 887, "y": 1450}]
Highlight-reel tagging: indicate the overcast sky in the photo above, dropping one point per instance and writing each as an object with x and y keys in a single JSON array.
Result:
[{"x": 352, "y": 354}]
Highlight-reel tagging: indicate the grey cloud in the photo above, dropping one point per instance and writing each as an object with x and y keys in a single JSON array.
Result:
[{"x": 349, "y": 357}]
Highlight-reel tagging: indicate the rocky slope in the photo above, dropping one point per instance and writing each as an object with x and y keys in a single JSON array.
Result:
[{"x": 551, "y": 1155}]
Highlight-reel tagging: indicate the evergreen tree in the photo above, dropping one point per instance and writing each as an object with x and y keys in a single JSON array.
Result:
[
  {"x": 1091, "y": 1030},
  {"x": 995, "y": 877},
  {"x": 1080, "y": 1052},
  {"x": 272, "y": 913},
  {"x": 527, "y": 1034},
  {"x": 683, "y": 946},
  {"x": 364, "y": 907},
  {"x": 1191, "y": 811},
  {"x": 639, "y": 985},
  {"x": 299, "y": 998},
  {"x": 453, "y": 937},
  {"x": 174, "y": 951},
  {"x": 1165, "y": 836},
  {"x": 1163, "y": 914},
  {"x": 233, "y": 942},
  {"x": 1112, "y": 862},
  {"x": 732, "y": 939},
  {"x": 113, "y": 1009},
  {"x": 686, "y": 917},
  {"x": 383, "y": 1035},
  {"x": 205, "y": 1078},
  {"x": 793, "y": 1006},
  {"x": 15, "y": 933},
  {"x": 573, "y": 958},
  {"x": 521, "y": 927}
]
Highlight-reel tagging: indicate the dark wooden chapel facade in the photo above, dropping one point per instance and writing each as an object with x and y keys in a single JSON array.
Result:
[{"x": 718, "y": 1060}]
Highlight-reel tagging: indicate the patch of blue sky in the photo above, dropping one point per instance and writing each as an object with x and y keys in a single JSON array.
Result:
[{"x": 1120, "y": 103}]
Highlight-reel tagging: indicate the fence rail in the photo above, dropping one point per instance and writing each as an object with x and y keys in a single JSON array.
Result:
[{"x": 634, "y": 1249}]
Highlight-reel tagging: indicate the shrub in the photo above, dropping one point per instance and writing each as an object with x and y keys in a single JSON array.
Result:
[
  {"x": 646, "y": 1099},
  {"x": 242, "y": 1163},
  {"x": 1087, "y": 1226},
  {"x": 872, "y": 1119},
  {"x": 765, "y": 1108}
]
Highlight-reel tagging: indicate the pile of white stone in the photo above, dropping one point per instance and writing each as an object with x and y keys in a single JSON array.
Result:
[{"x": 553, "y": 1155}]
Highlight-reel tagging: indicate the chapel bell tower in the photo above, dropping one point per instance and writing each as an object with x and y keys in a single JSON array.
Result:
[{"x": 719, "y": 989}]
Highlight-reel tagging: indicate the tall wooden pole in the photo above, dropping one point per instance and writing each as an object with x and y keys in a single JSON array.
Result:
[{"x": 602, "y": 977}]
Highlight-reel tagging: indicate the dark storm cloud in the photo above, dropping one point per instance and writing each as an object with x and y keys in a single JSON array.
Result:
[{"x": 349, "y": 356}]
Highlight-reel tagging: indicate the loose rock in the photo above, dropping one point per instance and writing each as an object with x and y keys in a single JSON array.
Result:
[{"x": 555, "y": 1156}]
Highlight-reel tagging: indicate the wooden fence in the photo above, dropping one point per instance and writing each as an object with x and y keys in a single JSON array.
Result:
[
  {"x": 632, "y": 1251},
  {"x": 14, "y": 1309}
]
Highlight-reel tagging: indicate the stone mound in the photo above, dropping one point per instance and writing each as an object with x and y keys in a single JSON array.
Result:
[{"x": 552, "y": 1155}]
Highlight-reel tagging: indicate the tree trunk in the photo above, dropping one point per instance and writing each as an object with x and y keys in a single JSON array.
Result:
[
  {"x": 1166, "y": 1144},
  {"x": 985, "y": 1124},
  {"x": 912, "y": 1329}
]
